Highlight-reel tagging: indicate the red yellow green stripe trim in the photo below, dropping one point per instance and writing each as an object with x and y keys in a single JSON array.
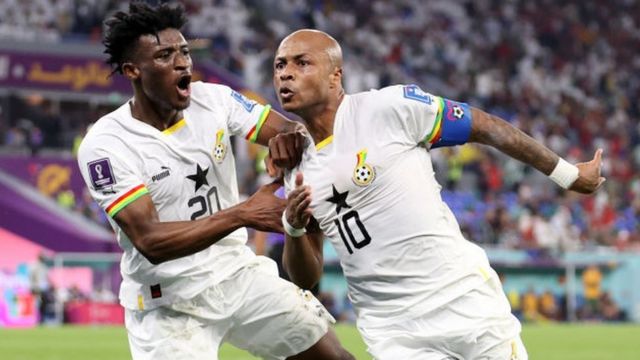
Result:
[
  {"x": 255, "y": 130},
  {"x": 175, "y": 127},
  {"x": 324, "y": 142},
  {"x": 219, "y": 136},
  {"x": 126, "y": 199},
  {"x": 362, "y": 157},
  {"x": 436, "y": 131}
]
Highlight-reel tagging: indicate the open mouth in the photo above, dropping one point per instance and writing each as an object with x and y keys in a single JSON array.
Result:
[
  {"x": 184, "y": 85},
  {"x": 285, "y": 93}
]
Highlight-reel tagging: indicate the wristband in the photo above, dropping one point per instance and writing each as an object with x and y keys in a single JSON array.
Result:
[
  {"x": 290, "y": 230},
  {"x": 564, "y": 174}
]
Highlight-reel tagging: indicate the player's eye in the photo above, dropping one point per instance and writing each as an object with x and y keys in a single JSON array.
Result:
[
  {"x": 303, "y": 63},
  {"x": 279, "y": 66}
]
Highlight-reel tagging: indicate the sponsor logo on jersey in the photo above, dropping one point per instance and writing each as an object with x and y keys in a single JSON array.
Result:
[
  {"x": 414, "y": 92},
  {"x": 248, "y": 104},
  {"x": 165, "y": 172},
  {"x": 220, "y": 149},
  {"x": 363, "y": 174},
  {"x": 108, "y": 191},
  {"x": 101, "y": 174}
]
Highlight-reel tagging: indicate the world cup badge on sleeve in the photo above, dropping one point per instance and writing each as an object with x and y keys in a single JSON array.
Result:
[
  {"x": 101, "y": 173},
  {"x": 220, "y": 149},
  {"x": 363, "y": 174}
]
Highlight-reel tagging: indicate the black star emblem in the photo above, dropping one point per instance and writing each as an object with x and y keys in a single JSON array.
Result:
[
  {"x": 200, "y": 177},
  {"x": 340, "y": 199}
]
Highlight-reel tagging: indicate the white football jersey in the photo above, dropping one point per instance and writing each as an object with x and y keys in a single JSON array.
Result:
[
  {"x": 189, "y": 172},
  {"x": 376, "y": 199}
]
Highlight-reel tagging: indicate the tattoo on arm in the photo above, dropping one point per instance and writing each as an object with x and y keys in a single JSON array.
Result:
[{"x": 491, "y": 130}]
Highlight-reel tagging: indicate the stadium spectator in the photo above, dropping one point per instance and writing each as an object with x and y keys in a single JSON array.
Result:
[
  {"x": 40, "y": 285},
  {"x": 65, "y": 197},
  {"x": 515, "y": 302},
  {"x": 548, "y": 306},
  {"x": 176, "y": 211},
  {"x": 592, "y": 281},
  {"x": 530, "y": 309}
]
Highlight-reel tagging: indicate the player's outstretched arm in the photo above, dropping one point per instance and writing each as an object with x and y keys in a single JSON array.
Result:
[
  {"x": 491, "y": 130},
  {"x": 163, "y": 241},
  {"x": 302, "y": 257}
]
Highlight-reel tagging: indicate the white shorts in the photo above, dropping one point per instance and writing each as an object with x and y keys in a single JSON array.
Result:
[
  {"x": 478, "y": 325},
  {"x": 253, "y": 309}
]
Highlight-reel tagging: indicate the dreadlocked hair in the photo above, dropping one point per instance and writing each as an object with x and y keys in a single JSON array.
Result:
[{"x": 123, "y": 29}]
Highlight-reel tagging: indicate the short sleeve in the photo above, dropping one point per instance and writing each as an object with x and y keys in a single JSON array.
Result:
[
  {"x": 113, "y": 181},
  {"x": 245, "y": 117},
  {"x": 426, "y": 118}
]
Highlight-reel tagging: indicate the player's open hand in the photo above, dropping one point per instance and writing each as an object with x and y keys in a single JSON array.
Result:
[
  {"x": 589, "y": 179},
  {"x": 264, "y": 209},
  {"x": 298, "y": 204},
  {"x": 285, "y": 150}
]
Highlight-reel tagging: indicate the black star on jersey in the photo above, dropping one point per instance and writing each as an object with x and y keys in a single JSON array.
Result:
[
  {"x": 200, "y": 177},
  {"x": 340, "y": 199}
]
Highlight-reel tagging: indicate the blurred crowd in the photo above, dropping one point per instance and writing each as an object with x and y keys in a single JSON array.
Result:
[
  {"x": 591, "y": 304},
  {"x": 564, "y": 72}
]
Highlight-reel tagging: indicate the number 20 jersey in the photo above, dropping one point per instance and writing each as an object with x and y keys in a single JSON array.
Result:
[
  {"x": 376, "y": 199},
  {"x": 189, "y": 172}
]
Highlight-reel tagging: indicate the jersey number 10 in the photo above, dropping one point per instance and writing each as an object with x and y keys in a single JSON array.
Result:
[{"x": 349, "y": 219}]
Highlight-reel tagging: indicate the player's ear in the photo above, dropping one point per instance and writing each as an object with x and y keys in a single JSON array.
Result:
[
  {"x": 336, "y": 77},
  {"x": 131, "y": 71}
]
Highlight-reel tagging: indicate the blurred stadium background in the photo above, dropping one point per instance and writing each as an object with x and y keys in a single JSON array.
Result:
[{"x": 566, "y": 72}]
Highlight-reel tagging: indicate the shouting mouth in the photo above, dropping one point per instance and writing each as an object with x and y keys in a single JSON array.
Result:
[{"x": 184, "y": 85}]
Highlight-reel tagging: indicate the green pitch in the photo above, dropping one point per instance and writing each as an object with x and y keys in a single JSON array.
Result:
[{"x": 548, "y": 342}]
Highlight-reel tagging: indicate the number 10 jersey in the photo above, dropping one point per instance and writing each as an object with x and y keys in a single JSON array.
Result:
[{"x": 376, "y": 199}]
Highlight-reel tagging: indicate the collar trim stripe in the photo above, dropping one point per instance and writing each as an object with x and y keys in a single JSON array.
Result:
[
  {"x": 328, "y": 140},
  {"x": 175, "y": 127}
]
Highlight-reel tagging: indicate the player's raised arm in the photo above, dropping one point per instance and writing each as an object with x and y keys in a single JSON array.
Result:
[
  {"x": 491, "y": 130},
  {"x": 285, "y": 139},
  {"x": 302, "y": 257}
]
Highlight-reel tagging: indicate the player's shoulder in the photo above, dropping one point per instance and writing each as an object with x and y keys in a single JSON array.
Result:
[
  {"x": 200, "y": 88},
  {"x": 109, "y": 124},
  {"x": 106, "y": 131},
  {"x": 210, "y": 93},
  {"x": 393, "y": 94}
]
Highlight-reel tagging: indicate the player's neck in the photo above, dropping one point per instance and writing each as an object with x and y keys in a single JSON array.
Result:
[
  {"x": 320, "y": 123},
  {"x": 144, "y": 110}
]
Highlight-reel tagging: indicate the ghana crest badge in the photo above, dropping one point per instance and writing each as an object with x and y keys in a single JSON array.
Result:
[
  {"x": 363, "y": 174},
  {"x": 220, "y": 149}
]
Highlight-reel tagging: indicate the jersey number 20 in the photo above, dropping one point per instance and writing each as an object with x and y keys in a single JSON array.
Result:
[
  {"x": 348, "y": 220},
  {"x": 204, "y": 203}
]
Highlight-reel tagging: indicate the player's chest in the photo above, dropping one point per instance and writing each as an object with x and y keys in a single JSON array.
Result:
[
  {"x": 185, "y": 161},
  {"x": 347, "y": 176}
]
